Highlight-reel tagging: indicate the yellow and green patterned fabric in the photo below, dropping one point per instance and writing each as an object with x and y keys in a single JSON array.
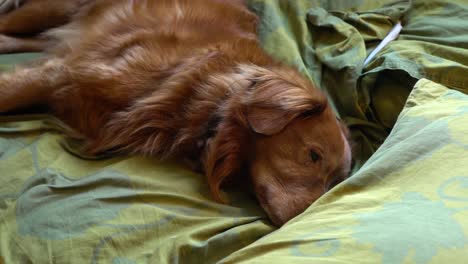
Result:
[{"x": 405, "y": 203}]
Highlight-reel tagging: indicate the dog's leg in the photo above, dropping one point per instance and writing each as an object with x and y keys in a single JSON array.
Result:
[
  {"x": 12, "y": 44},
  {"x": 25, "y": 87},
  {"x": 36, "y": 16}
]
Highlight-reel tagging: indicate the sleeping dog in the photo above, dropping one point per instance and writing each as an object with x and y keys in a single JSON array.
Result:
[{"x": 180, "y": 79}]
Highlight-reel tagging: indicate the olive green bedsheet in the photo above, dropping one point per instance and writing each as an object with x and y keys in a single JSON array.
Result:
[{"x": 407, "y": 204}]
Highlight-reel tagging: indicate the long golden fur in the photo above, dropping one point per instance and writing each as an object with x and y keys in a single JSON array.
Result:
[{"x": 184, "y": 79}]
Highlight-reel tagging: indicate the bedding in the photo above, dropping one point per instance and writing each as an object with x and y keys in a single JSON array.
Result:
[{"x": 405, "y": 203}]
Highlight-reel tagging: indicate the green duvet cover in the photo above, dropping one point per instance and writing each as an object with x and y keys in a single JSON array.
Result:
[{"x": 407, "y": 201}]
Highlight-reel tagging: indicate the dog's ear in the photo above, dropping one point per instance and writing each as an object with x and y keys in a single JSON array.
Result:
[
  {"x": 224, "y": 155},
  {"x": 278, "y": 97},
  {"x": 272, "y": 120}
]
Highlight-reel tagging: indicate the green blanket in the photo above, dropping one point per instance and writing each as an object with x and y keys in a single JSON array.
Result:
[{"x": 407, "y": 204}]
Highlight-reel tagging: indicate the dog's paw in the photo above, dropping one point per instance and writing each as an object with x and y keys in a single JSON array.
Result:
[
  {"x": 7, "y": 44},
  {"x": 8, "y": 5}
]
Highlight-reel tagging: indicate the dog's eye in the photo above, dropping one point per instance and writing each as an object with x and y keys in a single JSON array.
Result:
[{"x": 314, "y": 156}]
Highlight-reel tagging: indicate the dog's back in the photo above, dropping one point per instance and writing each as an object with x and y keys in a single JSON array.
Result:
[
  {"x": 115, "y": 51},
  {"x": 176, "y": 26},
  {"x": 121, "y": 50}
]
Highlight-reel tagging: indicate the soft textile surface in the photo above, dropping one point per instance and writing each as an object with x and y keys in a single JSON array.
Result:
[
  {"x": 407, "y": 205},
  {"x": 57, "y": 208}
]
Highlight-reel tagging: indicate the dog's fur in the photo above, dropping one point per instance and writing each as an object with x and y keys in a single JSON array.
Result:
[{"x": 179, "y": 78}]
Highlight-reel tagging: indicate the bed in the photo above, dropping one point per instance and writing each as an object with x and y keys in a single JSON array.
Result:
[{"x": 406, "y": 201}]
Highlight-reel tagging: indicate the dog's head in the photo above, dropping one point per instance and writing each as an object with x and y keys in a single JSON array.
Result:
[{"x": 283, "y": 129}]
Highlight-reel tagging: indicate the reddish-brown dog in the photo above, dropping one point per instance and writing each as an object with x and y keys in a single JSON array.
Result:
[{"x": 179, "y": 78}]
